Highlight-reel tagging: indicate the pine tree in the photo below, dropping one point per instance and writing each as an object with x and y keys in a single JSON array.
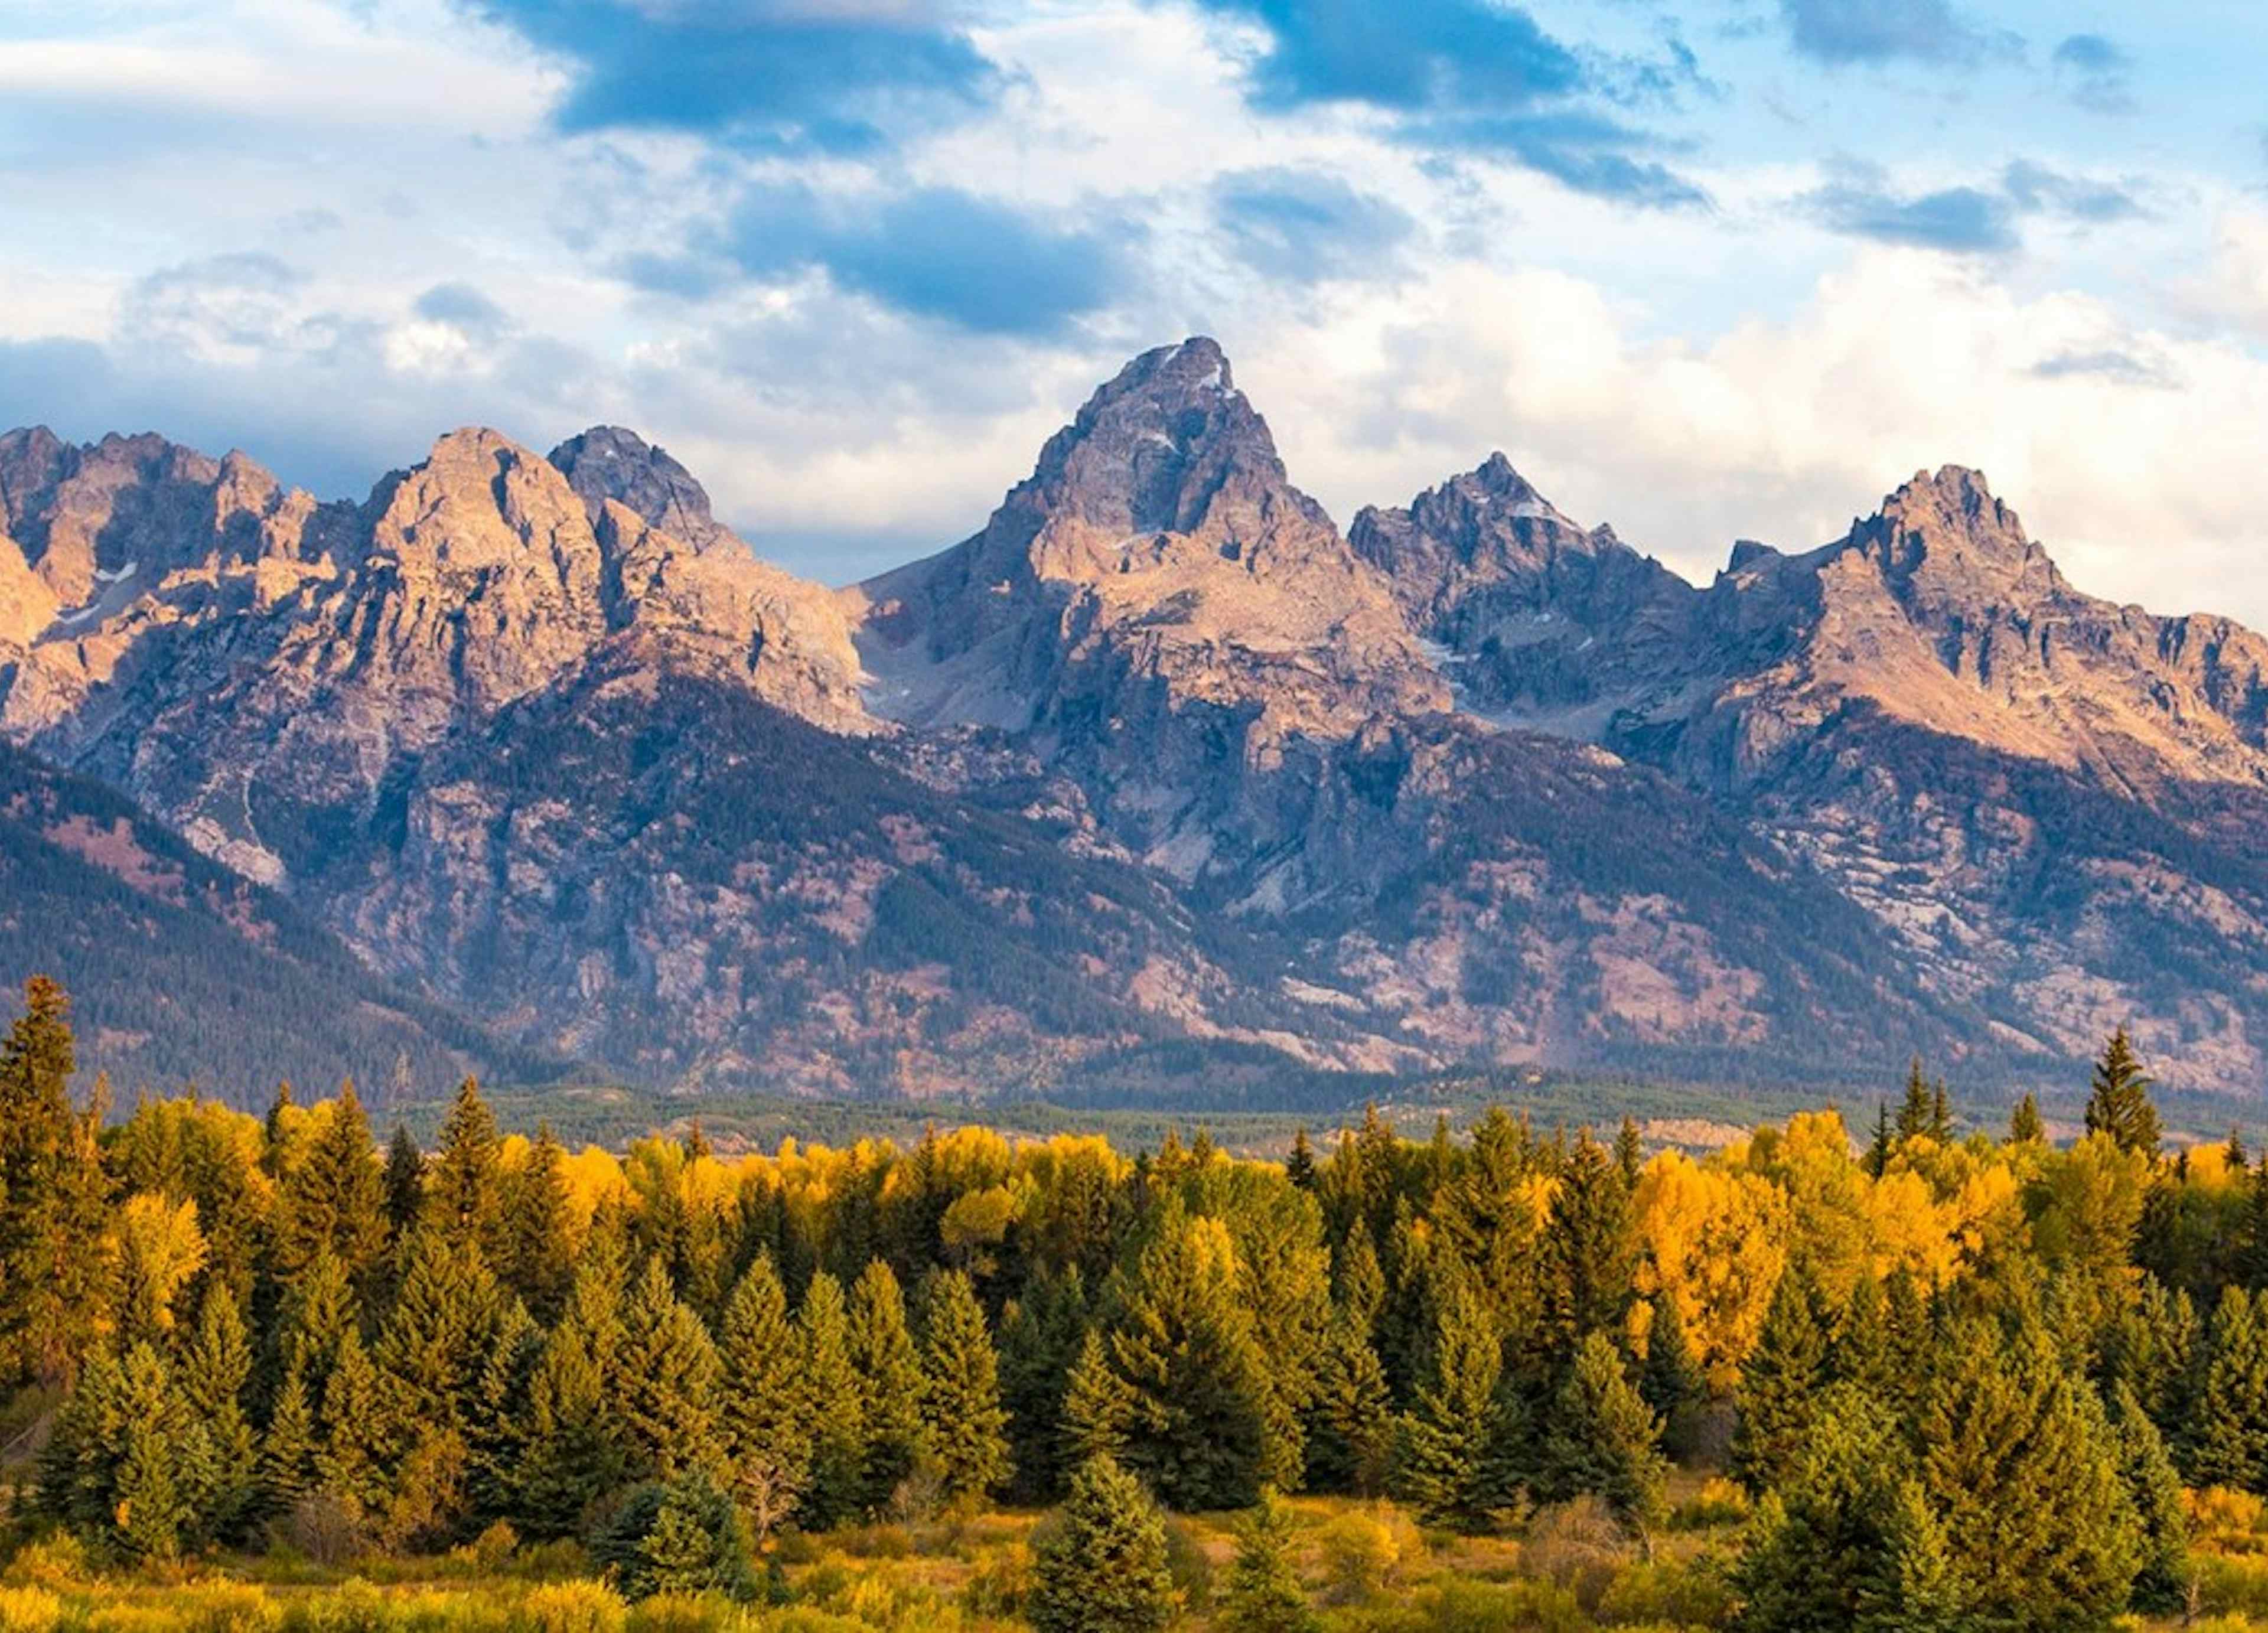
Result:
[
  {"x": 1779, "y": 1382},
  {"x": 668, "y": 1381},
  {"x": 2020, "y": 1463},
  {"x": 2119, "y": 1098},
  {"x": 537, "y": 1254},
  {"x": 1671, "y": 1380},
  {"x": 1940, "y": 1113},
  {"x": 318, "y": 1312},
  {"x": 1446, "y": 1465},
  {"x": 1352, "y": 1447},
  {"x": 1263, "y": 1593},
  {"x": 1300, "y": 1167},
  {"x": 463, "y": 1193},
  {"x": 888, "y": 1369},
  {"x": 1098, "y": 1408},
  {"x": 763, "y": 1418},
  {"x": 2155, "y": 1490},
  {"x": 1914, "y": 1110},
  {"x": 54, "y": 1198},
  {"x": 147, "y": 1508},
  {"x": 682, "y": 1537},
  {"x": 2024, "y": 1125},
  {"x": 1589, "y": 1247},
  {"x": 2155, "y": 1350},
  {"x": 1877, "y": 1161},
  {"x": 1100, "y": 1566},
  {"x": 403, "y": 1183},
  {"x": 332, "y": 1197},
  {"x": 964, "y": 1423},
  {"x": 287, "y": 1450},
  {"x": 571, "y": 1441},
  {"x": 353, "y": 1444},
  {"x": 1361, "y": 1281},
  {"x": 1603, "y": 1440},
  {"x": 2228, "y": 1424},
  {"x": 837, "y": 1407},
  {"x": 1630, "y": 1151},
  {"x": 221, "y": 1459},
  {"x": 1041, "y": 1333},
  {"x": 1182, "y": 1343}
]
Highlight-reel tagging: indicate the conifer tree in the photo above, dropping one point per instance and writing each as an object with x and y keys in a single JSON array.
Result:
[
  {"x": 2154, "y": 1350},
  {"x": 537, "y": 1254},
  {"x": 332, "y": 1197},
  {"x": 275, "y": 1132},
  {"x": 54, "y": 1198},
  {"x": 1182, "y": 1343},
  {"x": 1352, "y": 1447},
  {"x": 668, "y": 1382},
  {"x": 1361, "y": 1282},
  {"x": 837, "y": 1406},
  {"x": 1263, "y": 1593},
  {"x": 1603, "y": 1440},
  {"x": 403, "y": 1183},
  {"x": 762, "y": 1415},
  {"x": 2252, "y": 1251},
  {"x": 1878, "y": 1150},
  {"x": 888, "y": 1368},
  {"x": 1099, "y": 1565},
  {"x": 1098, "y": 1408},
  {"x": 1041, "y": 1335},
  {"x": 352, "y": 1444},
  {"x": 2025, "y": 1127},
  {"x": 1914, "y": 1110},
  {"x": 221, "y": 1458},
  {"x": 1590, "y": 1250},
  {"x": 1630, "y": 1151},
  {"x": 964, "y": 1423},
  {"x": 319, "y": 1311},
  {"x": 2020, "y": 1463},
  {"x": 147, "y": 1508},
  {"x": 2163, "y": 1585},
  {"x": 1671, "y": 1380},
  {"x": 571, "y": 1441},
  {"x": 1300, "y": 1167},
  {"x": 1859, "y": 1351},
  {"x": 680, "y": 1537},
  {"x": 1447, "y": 1462},
  {"x": 287, "y": 1449},
  {"x": 1779, "y": 1381},
  {"x": 1940, "y": 1113},
  {"x": 463, "y": 1193},
  {"x": 2119, "y": 1098},
  {"x": 2228, "y": 1424},
  {"x": 446, "y": 1322}
]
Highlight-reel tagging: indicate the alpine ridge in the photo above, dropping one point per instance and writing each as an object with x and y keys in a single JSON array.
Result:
[{"x": 1159, "y": 767}]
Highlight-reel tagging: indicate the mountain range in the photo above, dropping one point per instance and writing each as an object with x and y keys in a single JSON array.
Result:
[{"x": 1160, "y": 778}]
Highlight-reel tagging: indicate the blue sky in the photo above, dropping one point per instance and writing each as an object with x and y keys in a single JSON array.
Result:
[{"x": 1708, "y": 270}]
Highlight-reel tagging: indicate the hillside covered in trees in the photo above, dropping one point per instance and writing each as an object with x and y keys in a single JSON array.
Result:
[{"x": 1515, "y": 1378}]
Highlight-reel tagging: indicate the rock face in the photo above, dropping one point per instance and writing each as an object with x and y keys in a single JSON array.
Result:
[{"x": 1159, "y": 767}]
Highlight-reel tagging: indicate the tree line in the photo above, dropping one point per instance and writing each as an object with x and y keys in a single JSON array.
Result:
[{"x": 1965, "y": 1377}]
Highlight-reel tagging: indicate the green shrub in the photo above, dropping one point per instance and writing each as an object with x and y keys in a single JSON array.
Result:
[
  {"x": 1666, "y": 1591},
  {"x": 1367, "y": 1550},
  {"x": 2232, "y": 1582}
]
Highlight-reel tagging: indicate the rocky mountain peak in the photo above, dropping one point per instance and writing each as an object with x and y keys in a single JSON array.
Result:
[
  {"x": 1949, "y": 530},
  {"x": 1158, "y": 446},
  {"x": 608, "y": 462}
]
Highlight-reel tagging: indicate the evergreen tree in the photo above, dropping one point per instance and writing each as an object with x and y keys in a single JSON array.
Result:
[
  {"x": 2024, "y": 1125},
  {"x": 2155, "y": 1490},
  {"x": 572, "y": 1442},
  {"x": 353, "y": 1446},
  {"x": 964, "y": 1423},
  {"x": 1098, "y": 1408},
  {"x": 1878, "y": 1150},
  {"x": 287, "y": 1450},
  {"x": 1589, "y": 1247},
  {"x": 1779, "y": 1381},
  {"x": 2020, "y": 1463},
  {"x": 332, "y": 1197},
  {"x": 1300, "y": 1167},
  {"x": 1671, "y": 1380},
  {"x": 221, "y": 1455},
  {"x": 2228, "y": 1424},
  {"x": 682, "y": 1537},
  {"x": 1352, "y": 1448},
  {"x": 2119, "y": 1098},
  {"x": 888, "y": 1368},
  {"x": 147, "y": 1508},
  {"x": 1914, "y": 1111},
  {"x": 1041, "y": 1333},
  {"x": 1182, "y": 1343},
  {"x": 54, "y": 1198},
  {"x": 463, "y": 1193},
  {"x": 2154, "y": 1350},
  {"x": 1630, "y": 1151},
  {"x": 668, "y": 1382},
  {"x": 537, "y": 1253},
  {"x": 1602, "y": 1439},
  {"x": 403, "y": 1183},
  {"x": 1448, "y": 1464},
  {"x": 762, "y": 1413},
  {"x": 1100, "y": 1566},
  {"x": 1263, "y": 1593},
  {"x": 838, "y": 1451},
  {"x": 1941, "y": 1113},
  {"x": 1361, "y": 1281}
]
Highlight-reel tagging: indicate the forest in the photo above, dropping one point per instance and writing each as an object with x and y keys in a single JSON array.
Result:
[{"x": 285, "y": 1373}]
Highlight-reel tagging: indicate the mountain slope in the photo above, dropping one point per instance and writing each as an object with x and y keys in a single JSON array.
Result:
[{"x": 182, "y": 971}]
